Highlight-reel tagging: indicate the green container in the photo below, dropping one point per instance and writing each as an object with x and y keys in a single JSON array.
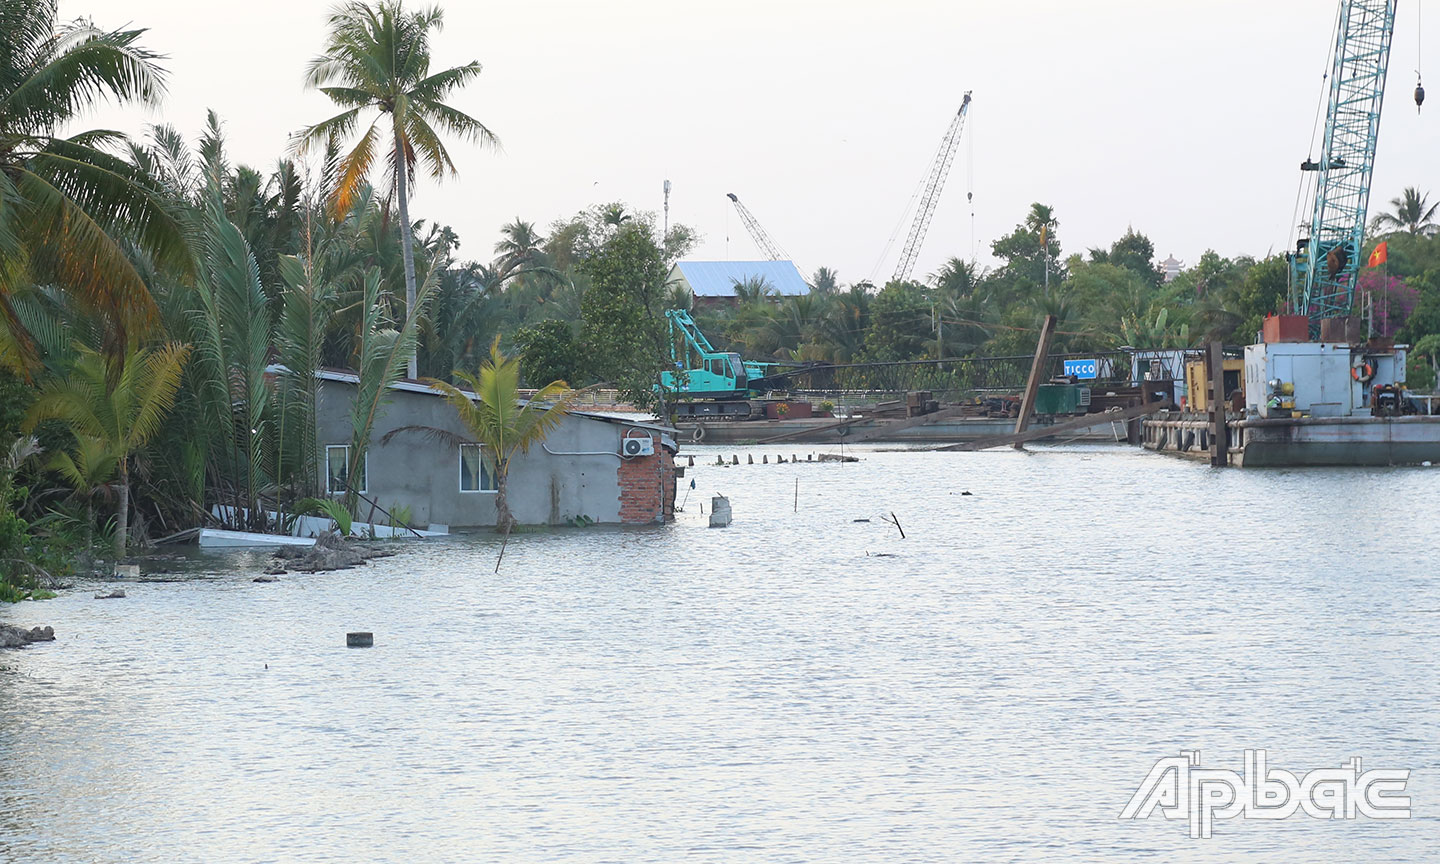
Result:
[{"x": 1058, "y": 399}]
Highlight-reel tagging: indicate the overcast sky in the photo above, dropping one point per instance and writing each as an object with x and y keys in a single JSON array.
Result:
[{"x": 1187, "y": 120}]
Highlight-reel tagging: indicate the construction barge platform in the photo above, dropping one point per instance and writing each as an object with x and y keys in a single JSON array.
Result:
[
  {"x": 942, "y": 430},
  {"x": 1255, "y": 442}
]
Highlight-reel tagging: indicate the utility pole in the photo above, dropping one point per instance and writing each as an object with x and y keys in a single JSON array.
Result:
[
  {"x": 939, "y": 331},
  {"x": 1045, "y": 250}
]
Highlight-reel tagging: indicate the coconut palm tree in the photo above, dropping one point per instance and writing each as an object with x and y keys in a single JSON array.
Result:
[
  {"x": 67, "y": 207},
  {"x": 519, "y": 245},
  {"x": 752, "y": 290},
  {"x": 117, "y": 404},
  {"x": 500, "y": 422},
  {"x": 377, "y": 59},
  {"x": 956, "y": 278},
  {"x": 1414, "y": 214},
  {"x": 825, "y": 281}
]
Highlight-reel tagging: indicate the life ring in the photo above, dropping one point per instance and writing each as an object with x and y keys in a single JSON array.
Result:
[
  {"x": 1362, "y": 372},
  {"x": 698, "y": 433}
]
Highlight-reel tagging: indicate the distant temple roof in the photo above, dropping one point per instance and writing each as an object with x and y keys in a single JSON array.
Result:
[
  {"x": 1171, "y": 267},
  {"x": 718, "y": 278}
]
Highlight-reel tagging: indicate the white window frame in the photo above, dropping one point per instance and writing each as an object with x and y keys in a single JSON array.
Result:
[
  {"x": 365, "y": 468},
  {"x": 460, "y": 472}
]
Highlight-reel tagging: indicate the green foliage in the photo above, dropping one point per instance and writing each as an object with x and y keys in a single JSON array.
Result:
[
  {"x": 15, "y": 397},
  {"x": 308, "y": 301},
  {"x": 114, "y": 406},
  {"x": 548, "y": 352},
  {"x": 1158, "y": 334},
  {"x": 500, "y": 422},
  {"x": 71, "y": 212},
  {"x": 25, "y": 556},
  {"x": 338, "y": 513},
  {"x": 401, "y": 515},
  {"x": 233, "y": 338},
  {"x": 384, "y": 352},
  {"x": 899, "y": 322},
  {"x": 624, "y": 325}
]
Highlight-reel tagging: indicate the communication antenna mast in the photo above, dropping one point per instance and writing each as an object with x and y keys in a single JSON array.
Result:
[
  {"x": 939, "y": 170},
  {"x": 665, "y": 232}
]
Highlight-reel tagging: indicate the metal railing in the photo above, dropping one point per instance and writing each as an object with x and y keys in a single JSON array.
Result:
[{"x": 954, "y": 378}]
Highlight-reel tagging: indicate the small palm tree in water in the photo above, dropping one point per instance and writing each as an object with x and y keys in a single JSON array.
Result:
[{"x": 502, "y": 423}]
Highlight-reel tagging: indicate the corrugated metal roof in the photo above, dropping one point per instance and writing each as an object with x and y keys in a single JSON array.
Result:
[{"x": 718, "y": 278}]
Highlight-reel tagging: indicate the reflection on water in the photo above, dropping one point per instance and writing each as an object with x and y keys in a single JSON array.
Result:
[{"x": 781, "y": 690}]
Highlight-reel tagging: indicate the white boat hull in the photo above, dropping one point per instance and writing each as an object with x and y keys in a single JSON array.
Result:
[{"x": 215, "y": 538}]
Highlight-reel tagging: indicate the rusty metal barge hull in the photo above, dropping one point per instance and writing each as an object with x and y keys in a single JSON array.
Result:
[
  {"x": 1304, "y": 441},
  {"x": 938, "y": 431}
]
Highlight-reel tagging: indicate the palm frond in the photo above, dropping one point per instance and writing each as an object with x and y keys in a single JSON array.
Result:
[
  {"x": 422, "y": 141},
  {"x": 82, "y": 66},
  {"x": 354, "y": 168},
  {"x": 117, "y": 196},
  {"x": 74, "y": 250},
  {"x": 459, "y": 123}
]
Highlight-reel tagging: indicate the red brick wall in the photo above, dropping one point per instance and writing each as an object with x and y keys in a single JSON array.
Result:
[{"x": 647, "y": 486}]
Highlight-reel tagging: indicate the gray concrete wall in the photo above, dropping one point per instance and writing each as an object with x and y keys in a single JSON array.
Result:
[{"x": 424, "y": 474}]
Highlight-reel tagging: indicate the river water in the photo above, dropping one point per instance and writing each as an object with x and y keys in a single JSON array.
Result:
[{"x": 798, "y": 687}]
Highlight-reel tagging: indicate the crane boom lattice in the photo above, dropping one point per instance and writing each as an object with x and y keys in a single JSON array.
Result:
[
  {"x": 939, "y": 170},
  {"x": 768, "y": 247},
  {"x": 1325, "y": 266}
]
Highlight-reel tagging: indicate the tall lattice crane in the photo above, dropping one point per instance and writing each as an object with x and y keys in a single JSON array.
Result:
[
  {"x": 768, "y": 247},
  {"x": 939, "y": 170},
  {"x": 1325, "y": 266}
]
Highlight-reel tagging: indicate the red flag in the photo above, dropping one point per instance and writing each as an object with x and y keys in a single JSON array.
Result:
[{"x": 1378, "y": 256}]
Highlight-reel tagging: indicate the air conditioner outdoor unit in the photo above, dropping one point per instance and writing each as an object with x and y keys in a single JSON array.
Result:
[{"x": 638, "y": 446}]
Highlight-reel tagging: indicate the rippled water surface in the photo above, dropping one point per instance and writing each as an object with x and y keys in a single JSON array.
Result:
[{"x": 797, "y": 687}]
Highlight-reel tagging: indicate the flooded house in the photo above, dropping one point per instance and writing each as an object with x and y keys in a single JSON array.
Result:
[{"x": 594, "y": 467}]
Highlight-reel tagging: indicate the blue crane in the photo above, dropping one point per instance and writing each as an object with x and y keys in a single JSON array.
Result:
[{"x": 1325, "y": 265}]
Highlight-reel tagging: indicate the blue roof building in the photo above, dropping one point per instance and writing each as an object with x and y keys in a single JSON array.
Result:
[{"x": 715, "y": 279}]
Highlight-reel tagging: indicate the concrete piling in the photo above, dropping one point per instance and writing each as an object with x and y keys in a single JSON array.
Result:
[{"x": 750, "y": 459}]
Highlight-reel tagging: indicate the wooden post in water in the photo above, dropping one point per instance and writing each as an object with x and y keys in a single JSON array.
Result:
[
  {"x": 1219, "y": 436},
  {"x": 1032, "y": 386}
]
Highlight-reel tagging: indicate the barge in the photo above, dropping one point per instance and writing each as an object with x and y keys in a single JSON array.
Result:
[{"x": 1304, "y": 403}]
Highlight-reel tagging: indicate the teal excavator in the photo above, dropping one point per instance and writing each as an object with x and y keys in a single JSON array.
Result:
[{"x": 712, "y": 383}]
